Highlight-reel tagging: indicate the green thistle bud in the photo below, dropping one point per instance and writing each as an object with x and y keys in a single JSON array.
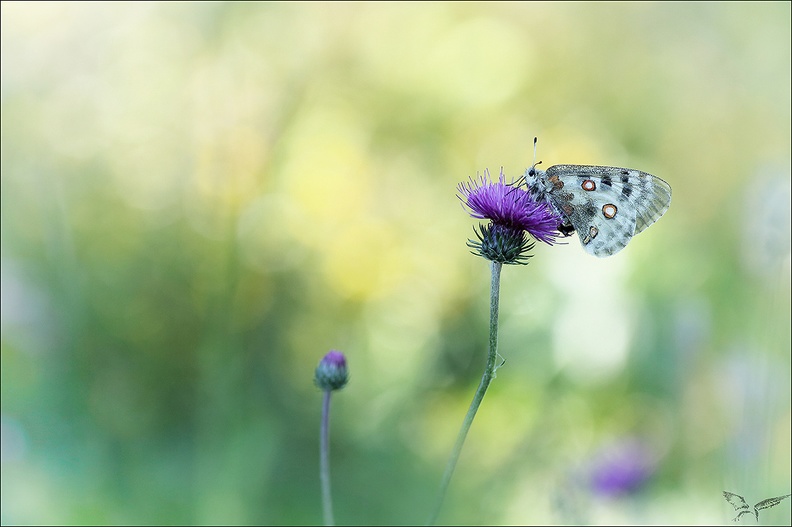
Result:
[{"x": 331, "y": 373}]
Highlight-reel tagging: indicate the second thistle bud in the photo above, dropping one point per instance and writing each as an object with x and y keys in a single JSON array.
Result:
[{"x": 331, "y": 373}]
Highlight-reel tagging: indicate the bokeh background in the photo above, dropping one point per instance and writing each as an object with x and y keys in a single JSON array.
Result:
[{"x": 200, "y": 200}]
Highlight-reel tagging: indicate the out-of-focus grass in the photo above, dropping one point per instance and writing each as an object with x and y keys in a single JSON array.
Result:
[{"x": 199, "y": 200}]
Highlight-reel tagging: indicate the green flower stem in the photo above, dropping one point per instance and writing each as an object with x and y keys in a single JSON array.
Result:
[
  {"x": 324, "y": 472},
  {"x": 489, "y": 373}
]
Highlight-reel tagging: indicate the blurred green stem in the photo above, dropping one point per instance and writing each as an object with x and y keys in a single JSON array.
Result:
[
  {"x": 489, "y": 373},
  {"x": 324, "y": 472}
]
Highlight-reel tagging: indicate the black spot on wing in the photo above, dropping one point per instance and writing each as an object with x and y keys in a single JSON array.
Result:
[
  {"x": 625, "y": 178},
  {"x": 627, "y": 190},
  {"x": 606, "y": 180},
  {"x": 566, "y": 228}
]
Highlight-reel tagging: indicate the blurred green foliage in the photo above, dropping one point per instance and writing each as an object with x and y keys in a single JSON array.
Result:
[{"x": 200, "y": 200}]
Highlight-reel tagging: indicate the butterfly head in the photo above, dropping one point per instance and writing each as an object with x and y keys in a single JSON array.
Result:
[{"x": 536, "y": 183}]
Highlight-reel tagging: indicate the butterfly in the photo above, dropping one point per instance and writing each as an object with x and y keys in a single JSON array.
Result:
[
  {"x": 607, "y": 206},
  {"x": 742, "y": 507}
]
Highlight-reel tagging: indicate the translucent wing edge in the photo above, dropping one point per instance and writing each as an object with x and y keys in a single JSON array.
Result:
[{"x": 658, "y": 203}]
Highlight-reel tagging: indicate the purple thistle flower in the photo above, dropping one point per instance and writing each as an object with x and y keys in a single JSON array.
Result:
[
  {"x": 512, "y": 213},
  {"x": 509, "y": 206}
]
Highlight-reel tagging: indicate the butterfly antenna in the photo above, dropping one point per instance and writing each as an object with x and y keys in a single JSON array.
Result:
[
  {"x": 535, "y": 162},
  {"x": 521, "y": 181},
  {"x": 534, "y": 159}
]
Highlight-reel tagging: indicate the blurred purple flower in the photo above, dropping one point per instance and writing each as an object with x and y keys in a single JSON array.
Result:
[
  {"x": 622, "y": 468},
  {"x": 509, "y": 206},
  {"x": 331, "y": 373}
]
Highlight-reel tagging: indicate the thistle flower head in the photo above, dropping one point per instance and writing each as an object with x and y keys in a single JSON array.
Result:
[
  {"x": 331, "y": 373},
  {"x": 499, "y": 243},
  {"x": 512, "y": 213}
]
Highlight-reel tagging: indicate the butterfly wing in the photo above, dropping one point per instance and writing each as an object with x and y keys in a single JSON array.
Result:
[
  {"x": 652, "y": 197},
  {"x": 607, "y": 205},
  {"x": 584, "y": 191}
]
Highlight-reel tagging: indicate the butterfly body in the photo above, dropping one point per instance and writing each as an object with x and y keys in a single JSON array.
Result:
[{"x": 607, "y": 206}]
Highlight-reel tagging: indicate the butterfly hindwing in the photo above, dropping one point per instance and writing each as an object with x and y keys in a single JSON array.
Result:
[{"x": 607, "y": 206}]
